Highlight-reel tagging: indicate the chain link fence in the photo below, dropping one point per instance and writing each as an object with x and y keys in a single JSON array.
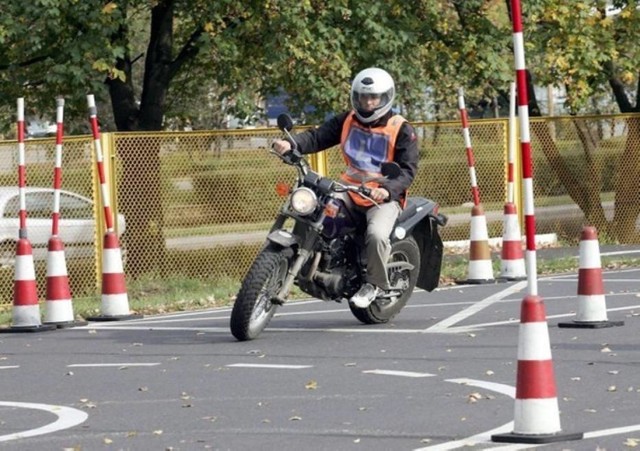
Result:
[{"x": 198, "y": 205}]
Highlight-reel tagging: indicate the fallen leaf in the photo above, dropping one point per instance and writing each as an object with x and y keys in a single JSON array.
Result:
[
  {"x": 157, "y": 432},
  {"x": 474, "y": 397},
  {"x": 295, "y": 418},
  {"x": 632, "y": 442},
  {"x": 612, "y": 388},
  {"x": 107, "y": 441}
]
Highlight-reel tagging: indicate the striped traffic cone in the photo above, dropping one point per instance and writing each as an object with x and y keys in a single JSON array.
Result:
[
  {"x": 26, "y": 310},
  {"x": 537, "y": 418},
  {"x": 480, "y": 269},
  {"x": 115, "y": 301},
  {"x": 592, "y": 307},
  {"x": 512, "y": 265},
  {"x": 58, "y": 304}
]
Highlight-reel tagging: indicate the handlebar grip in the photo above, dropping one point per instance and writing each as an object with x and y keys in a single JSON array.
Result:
[{"x": 292, "y": 156}]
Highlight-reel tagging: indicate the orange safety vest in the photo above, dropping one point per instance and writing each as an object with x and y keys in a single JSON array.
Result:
[{"x": 365, "y": 149}]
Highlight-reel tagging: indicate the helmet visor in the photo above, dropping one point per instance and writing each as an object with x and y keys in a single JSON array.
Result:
[{"x": 367, "y": 103}]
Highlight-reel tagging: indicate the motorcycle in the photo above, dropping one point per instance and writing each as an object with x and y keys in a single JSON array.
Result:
[{"x": 323, "y": 252}]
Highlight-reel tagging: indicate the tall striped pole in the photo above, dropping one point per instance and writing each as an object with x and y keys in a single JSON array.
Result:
[
  {"x": 480, "y": 269},
  {"x": 511, "y": 158},
  {"x": 58, "y": 304},
  {"x": 115, "y": 300},
  {"x": 537, "y": 418},
  {"x": 97, "y": 146},
  {"x": 512, "y": 265},
  {"x": 25, "y": 309},
  {"x": 464, "y": 118}
]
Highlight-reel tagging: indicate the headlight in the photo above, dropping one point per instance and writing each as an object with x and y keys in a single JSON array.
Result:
[{"x": 303, "y": 201}]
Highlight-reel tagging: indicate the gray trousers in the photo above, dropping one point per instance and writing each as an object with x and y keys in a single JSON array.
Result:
[{"x": 380, "y": 222}]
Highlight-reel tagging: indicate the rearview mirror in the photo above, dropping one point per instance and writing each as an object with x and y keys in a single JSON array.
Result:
[{"x": 285, "y": 122}]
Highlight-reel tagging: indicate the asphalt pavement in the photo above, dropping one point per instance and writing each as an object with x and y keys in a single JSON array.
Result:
[{"x": 440, "y": 376}]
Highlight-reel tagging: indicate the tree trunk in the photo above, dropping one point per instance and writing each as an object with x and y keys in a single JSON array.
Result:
[
  {"x": 627, "y": 203},
  {"x": 585, "y": 195},
  {"x": 139, "y": 190}
]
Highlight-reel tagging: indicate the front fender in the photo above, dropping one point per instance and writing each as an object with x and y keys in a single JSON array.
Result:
[{"x": 283, "y": 238}]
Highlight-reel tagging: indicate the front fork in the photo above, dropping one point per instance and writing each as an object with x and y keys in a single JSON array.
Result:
[
  {"x": 308, "y": 234},
  {"x": 281, "y": 296}
]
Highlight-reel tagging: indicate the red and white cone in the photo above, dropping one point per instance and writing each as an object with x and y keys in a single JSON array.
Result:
[
  {"x": 26, "y": 310},
  {"x": 480, "y": 269},
  {"x": 115, "y": 300},
  {"x": 58, "y": 304},
  {"x": 592, "y": 307},
  {"x": 512, "y": 265},
  {"x": 537, "y": 418}
]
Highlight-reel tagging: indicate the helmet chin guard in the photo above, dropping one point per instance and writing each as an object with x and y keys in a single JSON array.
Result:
[{"x": 372, "y": 83}]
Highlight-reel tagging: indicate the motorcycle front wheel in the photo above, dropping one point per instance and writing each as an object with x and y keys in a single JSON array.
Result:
[
  {"x": 253, "y": 308},
  {"x": 381, "y": 312}
]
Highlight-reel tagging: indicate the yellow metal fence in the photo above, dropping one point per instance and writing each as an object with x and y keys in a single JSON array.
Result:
[{"x": 197, "y": 205}]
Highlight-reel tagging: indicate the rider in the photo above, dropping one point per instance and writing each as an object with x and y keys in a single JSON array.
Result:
[{"x": 369, "y": 135}]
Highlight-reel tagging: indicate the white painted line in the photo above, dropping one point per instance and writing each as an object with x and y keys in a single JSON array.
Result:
[
  {"x": 613, "y": 431},
  {"x": 477, "y": 327},
  {"x": 67, "y": 418},
  {"x": 483, "y": 437},
  {"x": 99, "y": 365},
  {"x": 11, "y": 367},
  {"x": 398, "y": 373},
  {"x": 266, "y": 365},
  {"x": 620, "y": 252},
  {"x": 454, "y": 319}
]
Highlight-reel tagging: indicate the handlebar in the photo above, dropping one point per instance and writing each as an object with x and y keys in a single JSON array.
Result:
[{"x": 294, "y": 158}]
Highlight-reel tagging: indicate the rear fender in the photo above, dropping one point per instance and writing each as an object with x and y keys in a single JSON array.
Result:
[
  {"x": 427, "y": 236},
  {"x": 421, "y": 220}
]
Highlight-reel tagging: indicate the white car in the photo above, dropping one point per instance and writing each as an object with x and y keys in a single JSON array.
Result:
[{"x": 76, "y": 227}]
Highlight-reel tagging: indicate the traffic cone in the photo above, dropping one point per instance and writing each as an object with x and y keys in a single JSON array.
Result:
[
  {"x": 26, "y": 310},
  {"x": 592, "y": 308},
  {"x": 480, "y": 268},
  {"x": 115, "y": 301},
  {"x": 537, "y": 418},
  {"x": 512, "y": 265},
  {"x": 58, "y": 305}
]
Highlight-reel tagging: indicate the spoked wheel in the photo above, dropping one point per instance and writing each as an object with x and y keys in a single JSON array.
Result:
[
  {"x": 384, "y": 309},
  {"x": 253, "y": 308}
]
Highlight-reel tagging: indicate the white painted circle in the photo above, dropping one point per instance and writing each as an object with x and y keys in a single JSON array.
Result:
[{"x": 67, "y": 418}]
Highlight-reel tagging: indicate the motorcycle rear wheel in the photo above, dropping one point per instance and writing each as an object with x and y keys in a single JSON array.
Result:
[
  {"x": 253, "y": 308},
  {"x": 377, "y": 313}
]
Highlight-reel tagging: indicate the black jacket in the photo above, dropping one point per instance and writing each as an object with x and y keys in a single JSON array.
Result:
[{"x": 406, "y": 152}]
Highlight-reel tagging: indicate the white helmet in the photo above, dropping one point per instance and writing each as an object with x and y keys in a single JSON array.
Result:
[{"x": 377, "y": 82}]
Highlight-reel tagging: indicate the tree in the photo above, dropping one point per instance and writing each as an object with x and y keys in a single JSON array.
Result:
[{"x": 588, "y": 47}]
